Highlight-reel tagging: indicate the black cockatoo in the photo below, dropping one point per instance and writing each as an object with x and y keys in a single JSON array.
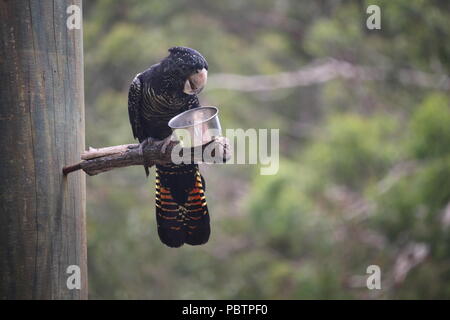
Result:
[{"x": 155, "y": 96}]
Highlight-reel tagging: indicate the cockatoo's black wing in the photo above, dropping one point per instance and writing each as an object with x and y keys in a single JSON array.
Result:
[{"x": 134, "y": 106}]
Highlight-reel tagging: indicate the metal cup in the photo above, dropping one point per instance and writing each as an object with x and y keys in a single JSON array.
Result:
[{"x": 196, "y": 127}]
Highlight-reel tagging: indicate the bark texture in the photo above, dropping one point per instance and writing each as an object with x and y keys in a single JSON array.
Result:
[{"x": 42, "y": 216}]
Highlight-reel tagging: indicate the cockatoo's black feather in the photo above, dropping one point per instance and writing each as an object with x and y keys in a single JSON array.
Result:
[{"x": 155, "y": 96}]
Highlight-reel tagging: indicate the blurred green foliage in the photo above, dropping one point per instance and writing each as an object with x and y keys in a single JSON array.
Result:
[{"x": 364, "y": 166}]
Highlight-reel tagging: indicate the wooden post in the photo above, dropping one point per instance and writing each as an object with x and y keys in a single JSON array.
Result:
[{"x": 42, "y": 213}]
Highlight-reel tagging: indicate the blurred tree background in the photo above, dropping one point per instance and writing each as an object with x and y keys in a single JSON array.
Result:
[{"x": 364, "y": 162}]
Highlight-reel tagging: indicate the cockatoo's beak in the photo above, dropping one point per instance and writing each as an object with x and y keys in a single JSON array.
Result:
[{"x": 196, "y": 82}]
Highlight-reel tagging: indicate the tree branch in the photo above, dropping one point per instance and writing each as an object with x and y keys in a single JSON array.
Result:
[
  {"x": 326, "y": 70},
  {"x": 148, "y": 153}
]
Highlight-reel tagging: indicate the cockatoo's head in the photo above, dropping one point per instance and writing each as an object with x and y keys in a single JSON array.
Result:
[{"x": 189, "y": 66}]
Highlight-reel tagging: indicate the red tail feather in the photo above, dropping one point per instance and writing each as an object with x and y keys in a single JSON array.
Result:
[{"x": 182, "y": 223}]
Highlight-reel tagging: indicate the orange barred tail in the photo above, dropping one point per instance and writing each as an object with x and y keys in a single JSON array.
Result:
[{"x": 187, "y": 222}]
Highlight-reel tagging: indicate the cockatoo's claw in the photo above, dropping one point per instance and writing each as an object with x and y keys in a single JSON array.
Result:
[{"x": 166, "y": 143}]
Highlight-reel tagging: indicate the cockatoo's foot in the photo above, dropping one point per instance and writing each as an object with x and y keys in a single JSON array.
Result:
[
  {"x": 142, "y": 145},
  {"x": 166, "y": 142}
]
